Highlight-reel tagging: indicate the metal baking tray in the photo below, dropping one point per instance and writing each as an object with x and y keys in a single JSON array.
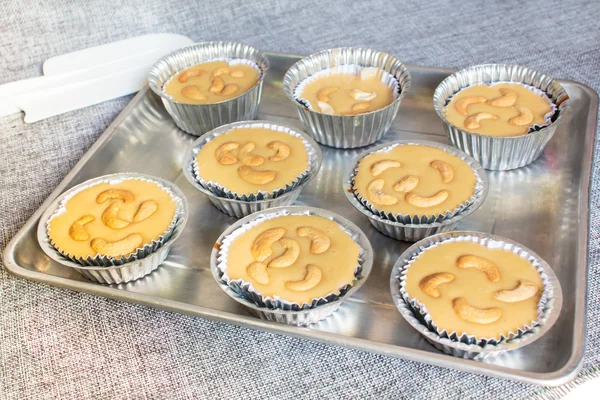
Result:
[{"x": 544, "y": 206}]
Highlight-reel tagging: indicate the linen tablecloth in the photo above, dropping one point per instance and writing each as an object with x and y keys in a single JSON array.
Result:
[{"x": 55, "y": 343}]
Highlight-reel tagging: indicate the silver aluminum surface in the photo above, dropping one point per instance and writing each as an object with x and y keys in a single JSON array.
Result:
[
  {"x": 466, "y": 346},
  {"x": 197, "y": 119},
  {"x": 345, "y": 132},
  {"x": 277, "y": 309},
  {"x": 544, "y": 206},
  {"x": 501, "y": 153}
]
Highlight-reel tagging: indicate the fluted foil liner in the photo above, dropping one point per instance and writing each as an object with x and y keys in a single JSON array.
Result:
[
  {"x": 197, "y": 119},
  {"x": 275, "y": 308},
  {"x": 481, "y": 186},
  {"x": 345, "y": 132},
  {"x": 239, "y": 206},
  {"x": 105, "y": 269},
  {"x": 502, "y": 153},
  {"x": 462, "y": 344}
]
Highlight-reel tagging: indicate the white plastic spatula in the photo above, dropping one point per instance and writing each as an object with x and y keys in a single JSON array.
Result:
[{"x": 86, "y": 77}]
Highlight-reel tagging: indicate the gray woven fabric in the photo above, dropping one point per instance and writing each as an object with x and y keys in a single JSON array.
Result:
[{"x": 55, "y": 343}]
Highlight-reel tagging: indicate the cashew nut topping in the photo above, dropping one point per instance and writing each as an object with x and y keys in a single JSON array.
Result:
[
  {"x": 323, "y": 93},
  {"x": 77, "y": 230},
  {"x": 220, "y": 71},
  {"x": 124, "y": 195},
  {"x": 319, "y": 242},
  {"x": 216, "y": 85},
  {"x": 424, "y": 202},
  {"x": 523, "y": 291},
  {"x": 472, "y": 121},
  {"x": 261, "y": 247},
  {"x": 369, "y": 72},
  {"x": 462, "y": 104},
  {"x": 289, "y": 257},
  {"x": 362, "y": 106},
  {"x": 406, "y": 184},
  {"x": 382, "y": 165},
  {"x": 236, "y": 73},
  {"x": 507, "y": 99},
  {"x": 111, "y": 219},
  {"x": 430, "y": 283},
  {"x": 247, "y": 158},
  {"x": 258, "y": 272},
  {"x": 311, "y": 279},
  {"x": 147, "y": 208},
  {"x": 377, "y": 195},
  {"x": 282, "y": 149},
  {"x": 358, "y": 94},
  {"x": 190, "y": 73},
  {"x": 229, "y": 89},
  {"x": 192, "y": 92},
  {"x": 524, "y": 118},
  {"x": 223, "y": 153},
  {"x": 474, "y": 314},
  {"x": 325, "y": 108},
  {"x": 485, "y": 266},
  {"x": 445, "y": 169},
  {"x": 255, "y": 177},
  {"x": 118, "y": 248}
]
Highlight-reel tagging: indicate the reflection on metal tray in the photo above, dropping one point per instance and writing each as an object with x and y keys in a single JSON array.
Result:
[{"x": 544, "y": 206}]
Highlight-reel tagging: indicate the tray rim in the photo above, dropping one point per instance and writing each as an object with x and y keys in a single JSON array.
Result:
[{"x": 564, "y": 374}]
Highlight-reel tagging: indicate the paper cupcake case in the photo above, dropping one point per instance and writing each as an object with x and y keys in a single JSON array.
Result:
[
  {"x": 345, "y": 132},
  {"x": 197, "y": 119},
  {"x": 275, "y": 308},
  {"x": 107, "y": 269},
  {"x": 237, "y": 205},
  {"x": 461, "y": 344},
  {"x": 503, "y": 153}
]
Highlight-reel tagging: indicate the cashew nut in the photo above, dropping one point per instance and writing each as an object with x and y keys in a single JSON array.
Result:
[
  {"x": 472, "y": 122},
  {"x": 192, "y": 92},
  {"x": 147, "y": 208},
  {"x": 507, "y": 99},
  {"x": 311, "y": 279},
  {"x": 462, "y": 104},
  {"x": 221, "y": 70},
  {"x": 255, "y": 177},
  {"x": 523, "y": 291},
  {"x": 319, "y": 242},
  {"x": 485, "y": 266},
  {"x": 247, "y": 158},
  {"x": 216, "y": 85},
  {"x": 524, "y": 118},
  {"x": 474, "y": 314},
  {"x": 77, "y": 230},
  {"x": 229, "y": 89},
  {"x": 424, "y": 202},
  {"x": 445, "y": 169},
  {"x": 124, "y": 195},
  {"x": 323, "y": 93},
  {"x": 290, "y": 255},
  {"x": 190, "y": 73},
  {"x": 111, "y": 219},
  {"x": 362, "y": 106},
  {"x": 382, "y": 165},
  {"x": 369, "y": 72},
  {"x": 282, "y": 149},
  {"x": 223, "y": 153},
  {"x": 378, "y": 196},
  {"x": 118, "y": 248},
  {"x": 358, "y": 94},
  {"x": 406, "y": 184},
  {"x": 430, "y": 283},
  {"x": 261, "y": 247},
  {"x": 236, "y": 73},
  {"x": 325, "y": 108},
  {"x": 258, "y": 272}
]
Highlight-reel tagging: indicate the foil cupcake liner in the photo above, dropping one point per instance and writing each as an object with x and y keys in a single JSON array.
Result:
[
  {"x": 345, "y": 132},
  {"x": 502, "y": 153},
  {"x": 105, "y": 269},
  {"x": 468, "y": 346},
  {"x": 412, "y": 221},
  {"x": 275, "y": 308},
  {"x": 197, "y": 119},
  {"x": 240, "y": 206}
]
